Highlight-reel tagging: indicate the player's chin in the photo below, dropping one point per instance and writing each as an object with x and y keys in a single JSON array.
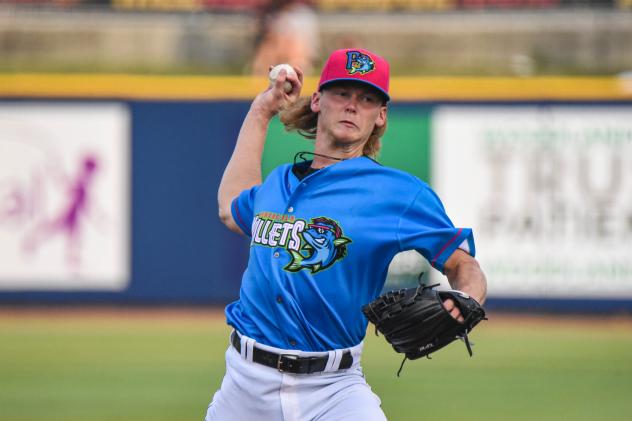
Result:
[{"x": 348, "y": 135}]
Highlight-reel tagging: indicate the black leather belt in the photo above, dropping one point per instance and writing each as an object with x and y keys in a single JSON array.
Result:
[{"x": 291, "y": 363}]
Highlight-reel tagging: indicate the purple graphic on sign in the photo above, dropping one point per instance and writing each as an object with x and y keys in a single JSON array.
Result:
[{"x": 68, "y": 221}]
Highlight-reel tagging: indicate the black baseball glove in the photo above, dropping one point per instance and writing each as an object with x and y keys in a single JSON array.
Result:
[{"x": 415, "y": 322}]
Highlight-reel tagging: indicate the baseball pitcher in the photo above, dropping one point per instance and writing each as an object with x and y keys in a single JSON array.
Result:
[{"x": 322, "y": 234}]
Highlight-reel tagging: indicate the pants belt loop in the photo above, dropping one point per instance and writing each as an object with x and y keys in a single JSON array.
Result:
[
  {"x": 250, "y": 344},
  {"x": 333, "y": 362},
  {"x": 244, "y": 349}
]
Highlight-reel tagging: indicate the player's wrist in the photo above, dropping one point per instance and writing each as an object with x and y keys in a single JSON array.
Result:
[{"x": 261, "y": 112}]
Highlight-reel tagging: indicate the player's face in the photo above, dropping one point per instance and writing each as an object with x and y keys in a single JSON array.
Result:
[{"x": 348, "y": 112}]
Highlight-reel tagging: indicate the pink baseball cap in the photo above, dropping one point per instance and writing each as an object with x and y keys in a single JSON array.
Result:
[{"x": 357, "y": 65}]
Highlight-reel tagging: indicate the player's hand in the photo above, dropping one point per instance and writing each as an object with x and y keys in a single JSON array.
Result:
[
  {"x": 275, "y": 99},
  {"x": 453, "y": 310}
]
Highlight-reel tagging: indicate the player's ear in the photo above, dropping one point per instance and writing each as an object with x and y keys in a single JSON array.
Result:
[
  {"x": 315, "y": 102},
  {"x": 381, "y": 117}
]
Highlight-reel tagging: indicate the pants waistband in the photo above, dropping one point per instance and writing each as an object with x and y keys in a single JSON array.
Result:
[{"x": 294, "y": 361}]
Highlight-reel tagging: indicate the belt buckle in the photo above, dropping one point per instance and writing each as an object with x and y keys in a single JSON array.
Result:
[{"x": 280, "y": 361}]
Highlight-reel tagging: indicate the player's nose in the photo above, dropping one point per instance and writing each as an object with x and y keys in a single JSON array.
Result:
[{"x": 352, "y": 103}]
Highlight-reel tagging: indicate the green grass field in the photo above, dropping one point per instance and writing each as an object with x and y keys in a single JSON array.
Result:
[{"x": 132, "y": 365}]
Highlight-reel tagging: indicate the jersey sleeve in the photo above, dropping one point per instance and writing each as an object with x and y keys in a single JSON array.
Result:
[
  {"x": 424, "y": 226},
  {"x": 242, "y": 209}
]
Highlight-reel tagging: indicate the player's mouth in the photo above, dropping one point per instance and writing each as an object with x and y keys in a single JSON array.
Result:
[{"x": 348, "y": 123}]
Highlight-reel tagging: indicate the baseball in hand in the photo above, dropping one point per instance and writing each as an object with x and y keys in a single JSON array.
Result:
[{"x": 274, "y": 73}]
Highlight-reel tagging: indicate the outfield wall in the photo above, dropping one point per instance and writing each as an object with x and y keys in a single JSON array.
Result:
[{"x": 108, "y": 185}]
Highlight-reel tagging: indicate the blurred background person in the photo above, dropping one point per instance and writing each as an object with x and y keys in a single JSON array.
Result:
[{"x": 287, "y": 33}]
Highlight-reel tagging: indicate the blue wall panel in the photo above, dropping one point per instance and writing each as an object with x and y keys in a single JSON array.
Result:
[{"x": 181, "y": 251}]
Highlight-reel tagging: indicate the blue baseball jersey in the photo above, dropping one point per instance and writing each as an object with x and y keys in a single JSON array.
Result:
[{"x": 320, "y": 249}]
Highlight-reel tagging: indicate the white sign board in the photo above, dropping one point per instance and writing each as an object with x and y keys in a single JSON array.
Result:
[
  {"x": 64, "y": 196},
  {"x": 548, "y": 192}
]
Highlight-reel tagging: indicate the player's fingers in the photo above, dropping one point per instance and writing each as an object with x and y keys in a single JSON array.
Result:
[
  {"x": 299, "y": 73},
  {"x": 280, "y": 81},
  {"x": 281, "y": 76},
  {"x": 448, "y": 305},
  {"x": 296, "y": 81},
  {"x": 296, "y": 87},
  {"x": 456, "y": 313}
]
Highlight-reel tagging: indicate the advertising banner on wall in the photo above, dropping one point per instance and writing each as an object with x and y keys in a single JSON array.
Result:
[
  {"x": 64, "y": 196},
  {"x": 548, "y": 192}
]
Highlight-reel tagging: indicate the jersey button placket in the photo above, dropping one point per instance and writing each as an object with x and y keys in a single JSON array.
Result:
[{"x": 290, "y": 206}]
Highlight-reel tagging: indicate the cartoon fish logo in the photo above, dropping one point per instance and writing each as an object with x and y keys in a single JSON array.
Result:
[
  {"x": 324, "y": 243},
  {"x": 358, "y": 62}
]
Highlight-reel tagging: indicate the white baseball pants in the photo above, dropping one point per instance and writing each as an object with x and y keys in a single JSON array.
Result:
[{"x": 254, "y": 392}]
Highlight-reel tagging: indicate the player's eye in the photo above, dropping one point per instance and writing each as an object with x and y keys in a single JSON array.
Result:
[
  {"x": 320, "y": 230},
  {"x": 370, "y": 98}
]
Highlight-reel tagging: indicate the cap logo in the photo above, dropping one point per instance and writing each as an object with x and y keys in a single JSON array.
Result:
[{"x": 358, "y": 62}]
